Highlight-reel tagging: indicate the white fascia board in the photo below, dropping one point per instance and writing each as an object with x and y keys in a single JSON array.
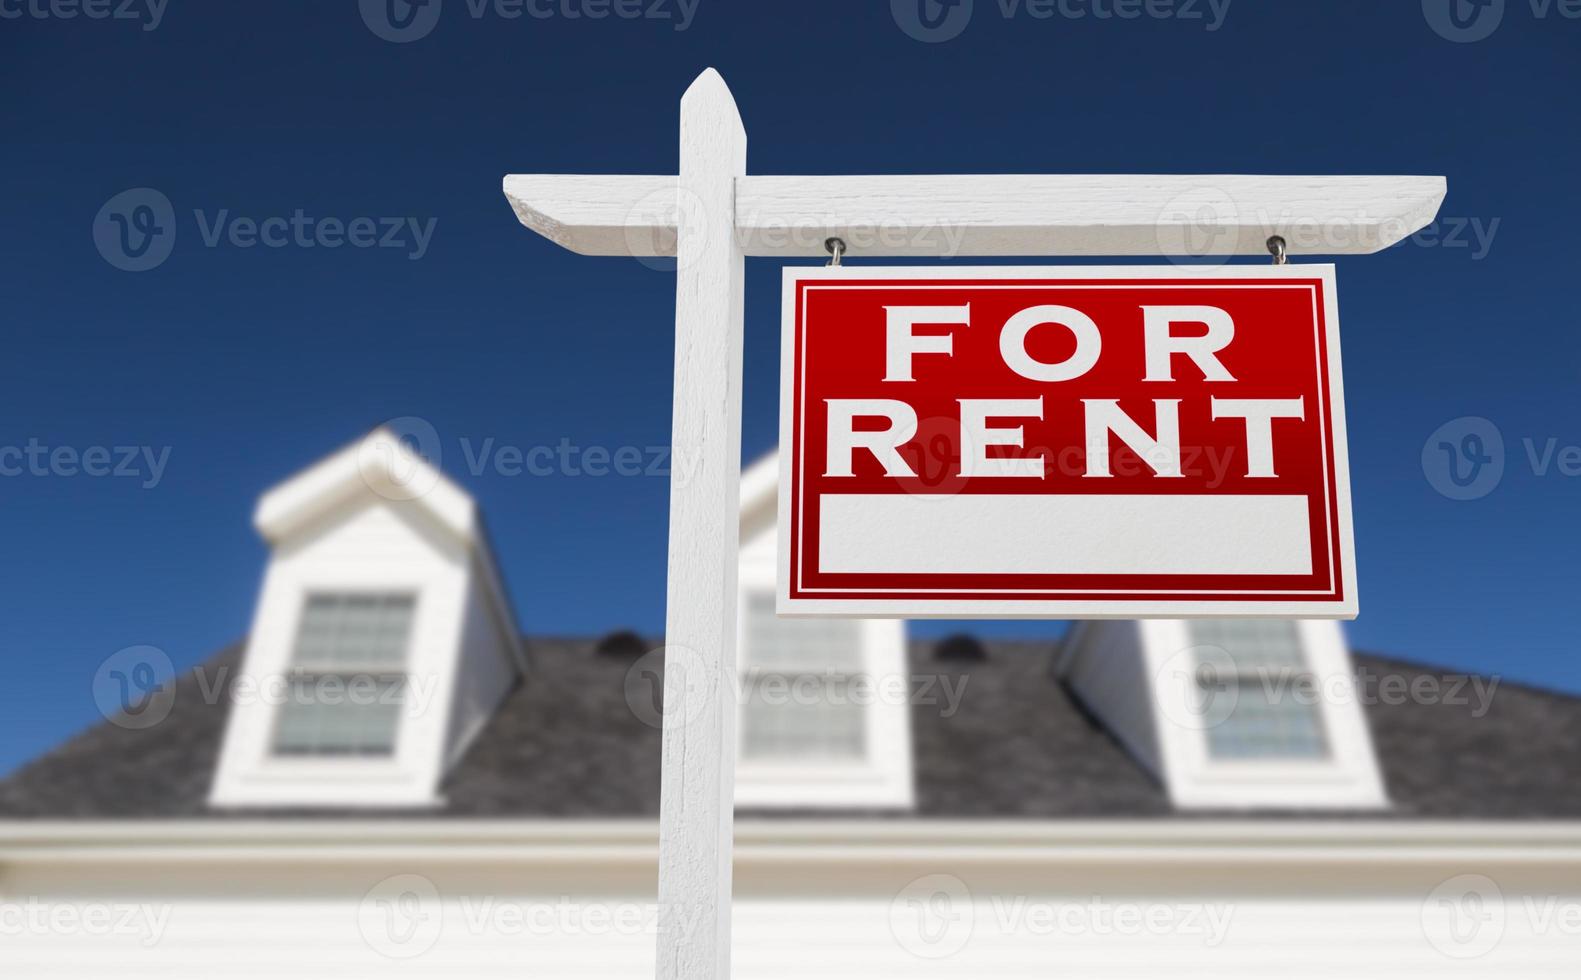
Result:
[{"x": 594, "y": 842}]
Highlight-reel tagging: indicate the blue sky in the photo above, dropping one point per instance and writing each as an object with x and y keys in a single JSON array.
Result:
[{"x": 229, "y": 367}]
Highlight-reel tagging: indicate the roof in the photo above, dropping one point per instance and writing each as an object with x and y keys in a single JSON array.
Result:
[{"x": 566, "y": 744}]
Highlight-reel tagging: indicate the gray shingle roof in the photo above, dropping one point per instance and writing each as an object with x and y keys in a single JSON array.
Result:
[{"x": 566, "y": 744}]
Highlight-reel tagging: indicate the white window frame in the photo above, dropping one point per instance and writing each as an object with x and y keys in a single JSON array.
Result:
[
  {"x": 1347, "y": 778},
  {"x": 251, "y": 774}
]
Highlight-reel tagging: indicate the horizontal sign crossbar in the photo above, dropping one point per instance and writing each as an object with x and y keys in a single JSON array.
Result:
[{"x": 991, "y": 215}]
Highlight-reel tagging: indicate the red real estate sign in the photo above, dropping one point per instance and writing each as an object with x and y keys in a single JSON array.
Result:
[{"x": 1063, "y": 442}]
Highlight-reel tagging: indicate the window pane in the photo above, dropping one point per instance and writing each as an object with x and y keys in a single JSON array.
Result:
[
  {"x": 791, "y": 717},
  {"x": 1269, "y": 723},
  {"x": 1249, "y": 643},
  {"x": 367, "y": 630},
  {"x": 800, "y": 644},
  {"x": 348, "y": 692},
  {"x": 331, "y": 714},
  {"x": 802, "y": 701},
  {"x": 1257, "y": 690}
]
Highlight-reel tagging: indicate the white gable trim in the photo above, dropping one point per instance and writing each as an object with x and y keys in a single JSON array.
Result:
[{"x": 379, "y": 463}]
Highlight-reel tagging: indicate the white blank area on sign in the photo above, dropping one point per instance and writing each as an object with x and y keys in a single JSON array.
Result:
[{"x": 1065, "y": 534}]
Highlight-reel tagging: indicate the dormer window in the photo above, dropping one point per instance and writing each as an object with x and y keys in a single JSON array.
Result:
[
  {"x": 825, "y": 718},
  {"x": 824, "y": 721},
  {"x": 348, "y": 676},
  {"x": 382, "y": 641},
  {"x": 1232, "y": 714},
  {"x": 1259, "y": 690}
]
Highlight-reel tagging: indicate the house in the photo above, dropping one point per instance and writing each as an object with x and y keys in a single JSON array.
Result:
[{"x": 394, "y": 776}]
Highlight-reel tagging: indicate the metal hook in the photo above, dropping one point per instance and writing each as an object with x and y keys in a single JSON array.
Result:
[
  {"x": 1276, "y": 248},
  {"x": 836, "y": 249}
]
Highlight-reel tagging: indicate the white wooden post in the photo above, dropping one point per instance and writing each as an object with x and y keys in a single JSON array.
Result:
[{"x": 697, "y": 796}]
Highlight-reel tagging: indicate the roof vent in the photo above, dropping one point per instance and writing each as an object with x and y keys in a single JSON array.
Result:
[
  {"x": 622, "y": 643},
  {"x": 961, "y": 647}
]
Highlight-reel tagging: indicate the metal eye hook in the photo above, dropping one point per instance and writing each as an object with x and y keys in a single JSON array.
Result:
[
  {"x": 836, "y": 249},
  {"x": 1276, "y": 248}
]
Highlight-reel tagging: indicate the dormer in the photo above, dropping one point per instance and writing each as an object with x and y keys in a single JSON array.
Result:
[
  {"x": 1232, "y": 713},
  {"x": 381, "y": 642},
  {"x": 825, "y": 721}
]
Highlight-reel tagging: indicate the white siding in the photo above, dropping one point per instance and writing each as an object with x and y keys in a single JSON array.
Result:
[{"x": 485, "y": 671}]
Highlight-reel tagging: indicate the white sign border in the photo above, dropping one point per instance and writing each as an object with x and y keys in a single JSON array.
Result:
[{"x": 927, "y": 608}]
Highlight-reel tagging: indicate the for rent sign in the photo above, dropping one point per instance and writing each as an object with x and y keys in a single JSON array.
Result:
[{"x": 1065, "y": 442}]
